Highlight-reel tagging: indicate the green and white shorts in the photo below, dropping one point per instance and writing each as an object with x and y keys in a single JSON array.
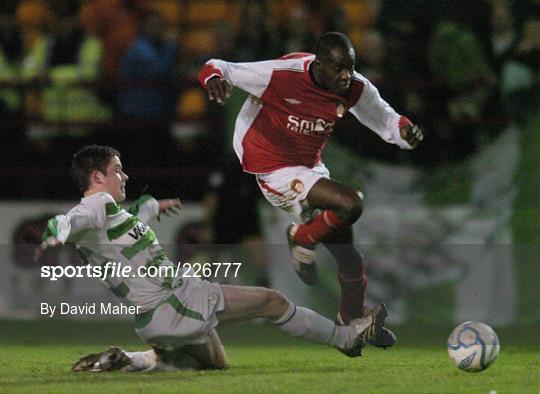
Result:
[{"x": 185, "y": 317}]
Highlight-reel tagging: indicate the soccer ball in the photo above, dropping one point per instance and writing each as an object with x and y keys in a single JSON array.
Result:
[{"x": 473, "y": 346}]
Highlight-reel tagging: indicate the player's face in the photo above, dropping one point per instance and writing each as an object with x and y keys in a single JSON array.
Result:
[
  {"x": 115, "y": 179},
  {"x": 336, "y": 70}
]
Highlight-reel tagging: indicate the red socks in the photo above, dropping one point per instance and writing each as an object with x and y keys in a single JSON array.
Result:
[
  {"x": 353, "y": 285},
  {"x": 317, "y": 228},
  {"x": 352, "y": 297}
]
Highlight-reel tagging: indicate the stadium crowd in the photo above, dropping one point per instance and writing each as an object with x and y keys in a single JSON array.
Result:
[{"x": 123, "y": 73}]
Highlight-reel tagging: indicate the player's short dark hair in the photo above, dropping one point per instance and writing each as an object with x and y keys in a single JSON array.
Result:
[
  {"x": 332, "y": 40},
  {"x": 89, "y": 159}
]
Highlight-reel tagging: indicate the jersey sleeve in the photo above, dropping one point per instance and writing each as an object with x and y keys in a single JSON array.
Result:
[
  {"x": 145, "y": 208},
  {"x": 252, "y": 78},
  {"x": 375, "y": 113},
  {"x": 89, "y": 214}
]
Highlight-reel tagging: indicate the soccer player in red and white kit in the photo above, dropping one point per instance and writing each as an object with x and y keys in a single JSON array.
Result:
[{"x": 279, "y": 135}]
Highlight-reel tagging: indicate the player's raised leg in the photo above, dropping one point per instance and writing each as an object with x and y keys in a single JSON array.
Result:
[
  {"x": 341, "y": 206},
  {"x": 347, "y": 205}
]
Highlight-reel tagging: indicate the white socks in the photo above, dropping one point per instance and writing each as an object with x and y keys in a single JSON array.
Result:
[
  {"x": 142, "y": 361},
  {"x": 310, "y": 326},
  {"x": 147, "y": 361}
]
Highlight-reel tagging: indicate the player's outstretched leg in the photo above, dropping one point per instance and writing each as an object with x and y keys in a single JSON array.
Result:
[{"x": 244, "y": 302}]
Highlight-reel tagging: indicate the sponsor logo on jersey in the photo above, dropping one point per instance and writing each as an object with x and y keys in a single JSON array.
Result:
[
  {"x": 138, "y": 231},
  {"x": 309, "y": 127}
]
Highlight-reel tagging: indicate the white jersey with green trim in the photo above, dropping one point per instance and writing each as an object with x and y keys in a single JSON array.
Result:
[{"x": 104, "y": 232}]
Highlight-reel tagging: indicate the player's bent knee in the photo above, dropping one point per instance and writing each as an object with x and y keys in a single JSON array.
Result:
[
  {"x": 351, "y": 207},
  {"x": 276, "y": 303}
]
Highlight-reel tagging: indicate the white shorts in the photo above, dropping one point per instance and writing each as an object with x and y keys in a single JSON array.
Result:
[
  {"x": 287, "y": 188},
  {"x": 185, "y": 317}
]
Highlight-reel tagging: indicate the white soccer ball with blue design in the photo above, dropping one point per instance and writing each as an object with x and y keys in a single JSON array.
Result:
[{"x": 473, "y": 346}]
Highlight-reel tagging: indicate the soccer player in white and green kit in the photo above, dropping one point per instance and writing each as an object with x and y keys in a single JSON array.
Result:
[{"x": 177, "y": 316}]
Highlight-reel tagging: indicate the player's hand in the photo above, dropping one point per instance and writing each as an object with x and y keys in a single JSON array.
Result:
[
  {"x": 168, "y": 206},
  {"x": 51, "y": 242},
  {"x": 219, "y": 90},
  {"x": 412, "y": 134}
]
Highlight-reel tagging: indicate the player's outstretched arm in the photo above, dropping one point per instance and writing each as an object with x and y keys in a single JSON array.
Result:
[
  {"x": 147, "y": 207},
  {"x": 375, "y": 113},
  {"x": 218, "y": 77},
  {"x": 169, "y": 206}
]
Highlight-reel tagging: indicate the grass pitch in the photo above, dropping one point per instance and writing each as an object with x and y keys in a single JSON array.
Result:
[{"x": 35, "y": 358}]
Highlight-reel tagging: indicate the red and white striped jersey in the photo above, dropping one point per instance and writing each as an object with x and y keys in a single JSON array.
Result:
[{"x": 288, "y": 119}]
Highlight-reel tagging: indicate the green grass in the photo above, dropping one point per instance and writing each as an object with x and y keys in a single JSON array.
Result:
[
  {"x": 299, "y": 369},
  {"x": 35, "y": 357}
]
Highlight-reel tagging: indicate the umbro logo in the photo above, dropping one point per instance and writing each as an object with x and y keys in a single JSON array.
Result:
[{"x": 292, "y": 101}]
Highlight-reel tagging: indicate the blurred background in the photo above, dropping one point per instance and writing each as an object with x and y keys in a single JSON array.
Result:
[{"x": 450, "y": 230}]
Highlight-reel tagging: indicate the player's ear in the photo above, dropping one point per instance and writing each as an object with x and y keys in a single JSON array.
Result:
[{"x": 96, "y": 177}]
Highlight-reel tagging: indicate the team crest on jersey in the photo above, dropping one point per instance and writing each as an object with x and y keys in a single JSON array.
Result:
[{"x": 297, "y": 186}]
